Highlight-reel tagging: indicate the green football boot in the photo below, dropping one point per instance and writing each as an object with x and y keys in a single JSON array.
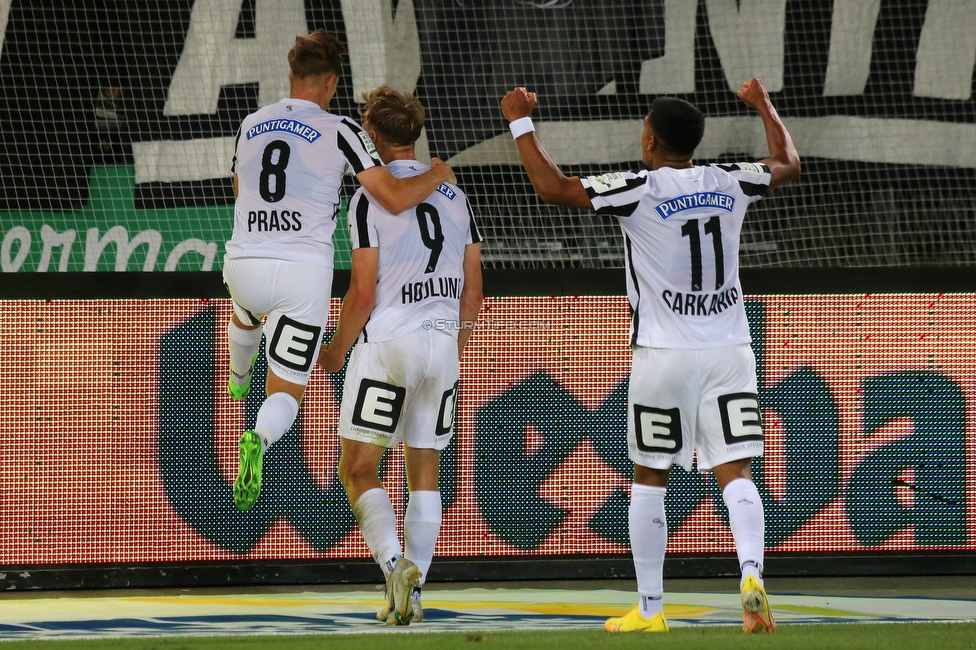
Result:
[
  {"x": 239, "y": 391},
  {"x": 247, "y": 487}
]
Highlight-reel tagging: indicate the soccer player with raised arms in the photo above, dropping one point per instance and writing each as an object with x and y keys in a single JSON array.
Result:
[
  {"x": 288, "y": 168},
  {"x": 414, "y": 296},
  {"x": 693, "y": 381}
]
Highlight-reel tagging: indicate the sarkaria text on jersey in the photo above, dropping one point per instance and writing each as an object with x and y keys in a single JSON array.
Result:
[
  {"x": 700, "y": 304},
  {"x": 413, "y": 292}
]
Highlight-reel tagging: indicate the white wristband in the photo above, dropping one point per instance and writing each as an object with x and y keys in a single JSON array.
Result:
[{"x": 521, "y": 126}]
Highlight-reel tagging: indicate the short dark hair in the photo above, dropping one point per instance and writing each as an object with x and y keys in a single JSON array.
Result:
[
  {"x": 398, "y": 116},
  {"x": 677, "y": 124},
  {"x": 318, "y": 53}
]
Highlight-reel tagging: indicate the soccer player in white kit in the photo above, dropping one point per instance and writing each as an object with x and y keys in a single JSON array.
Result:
[
  {"x": 288, "y": 170},
  {"x": 414, "y": 297},
  {"x": 693, "y": 381}
]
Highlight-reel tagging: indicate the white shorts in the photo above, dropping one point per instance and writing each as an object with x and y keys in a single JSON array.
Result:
[
  {"x": 295, "y": 297},
  {"x": 682, "y": 401},
  {"x": 402, "y": 389}
]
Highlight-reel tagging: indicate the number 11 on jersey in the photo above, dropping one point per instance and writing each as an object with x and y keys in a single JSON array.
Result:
[{"x": 713, "y": 227}]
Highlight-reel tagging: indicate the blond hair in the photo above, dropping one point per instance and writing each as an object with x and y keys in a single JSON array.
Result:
[{"x": 399, "y": 117}]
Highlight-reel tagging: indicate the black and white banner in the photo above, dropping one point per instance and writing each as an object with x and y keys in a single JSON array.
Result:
[{"x": 888, "y": 84}]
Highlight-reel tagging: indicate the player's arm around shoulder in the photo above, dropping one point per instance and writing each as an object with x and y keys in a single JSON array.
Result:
[
  {"x": 783, "y": 161},
  {"x": 356, "y": 308},
  {"x": 399, "y": 194},
  {"x": 549, "y": 182}
]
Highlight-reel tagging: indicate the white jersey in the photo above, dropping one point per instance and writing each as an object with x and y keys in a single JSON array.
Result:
[
  {"x": 681, "y": 236},
  {"x": 421, "y": 257},
  {"x": 289, "y": 162}
]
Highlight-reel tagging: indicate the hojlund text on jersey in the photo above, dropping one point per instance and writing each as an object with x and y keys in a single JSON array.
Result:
[
  {"x": 413, "y": 292},
  {"x": 266, "y": 222},
  {"x": 700, "y": 304}
]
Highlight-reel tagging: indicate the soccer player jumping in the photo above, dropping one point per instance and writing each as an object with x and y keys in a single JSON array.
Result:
[
  {"x": 693, "y": 381},
  {"x": 288, "y": 168}
]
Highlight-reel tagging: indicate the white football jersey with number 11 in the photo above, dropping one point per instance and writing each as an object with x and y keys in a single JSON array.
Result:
[{"x": 681, "y": 238}]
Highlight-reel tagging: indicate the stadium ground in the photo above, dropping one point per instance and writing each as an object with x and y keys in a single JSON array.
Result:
[{"x": 475, "y": 608}]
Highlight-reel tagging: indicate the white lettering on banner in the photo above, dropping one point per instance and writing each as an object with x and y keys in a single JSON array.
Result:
[
  {"x": 213, "y": 58},
  {"x": 172, "y": 161},
  {"x": 207, "y": 249},
  {"x": 22, "y": 236},
  {"x": 18, "y": 240},
  {"x": 51, "y": 238},
  {"x": 575, "y": 143},
  {"x": 946, "y": 52},
  {"x": 837, "y": 138},
  {"x": 95, "y": 246},
  {"x": 383, "y": 48},
  {"x": 4, "y": 15},
  {"x": 735, "y": 26},
  {"x": 749, "y": 38},
  {"x": 673, "y": 73},
  {"x": 851, "y": 40}
]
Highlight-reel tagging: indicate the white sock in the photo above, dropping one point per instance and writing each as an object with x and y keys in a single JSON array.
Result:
[
  {"x": 648, "y": 541},
  {"x": 421, "y": 525},
  {"x": 748, "y": 525},
  {"x": 650, "y": 607},
  {"x": 377, "y": 522},
  {"x": 243, "y": 345},
  {"x": 275, "y": 417}
]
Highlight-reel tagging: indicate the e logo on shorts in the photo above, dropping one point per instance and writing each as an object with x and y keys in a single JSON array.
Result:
[
  {"x": 658, "y": 430},
  {"x": 741, "y": 419},
  {"x": 445, "y": 416},
  {"x": 294, "y": 345},
  {"x": 378, "y": 406}
]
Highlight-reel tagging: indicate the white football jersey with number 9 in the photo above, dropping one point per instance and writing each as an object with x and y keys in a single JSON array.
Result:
[{"x": 420, "y": 272}]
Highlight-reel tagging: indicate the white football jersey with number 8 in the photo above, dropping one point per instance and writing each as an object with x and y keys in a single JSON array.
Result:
[{"x": 289, "y": 162}]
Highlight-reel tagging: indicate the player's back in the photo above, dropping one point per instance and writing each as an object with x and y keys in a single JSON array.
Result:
[
  {"x": 421, "y": 256},
  {"x": 290, "y": 159},
  {"x": 682, "y": 247}
]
